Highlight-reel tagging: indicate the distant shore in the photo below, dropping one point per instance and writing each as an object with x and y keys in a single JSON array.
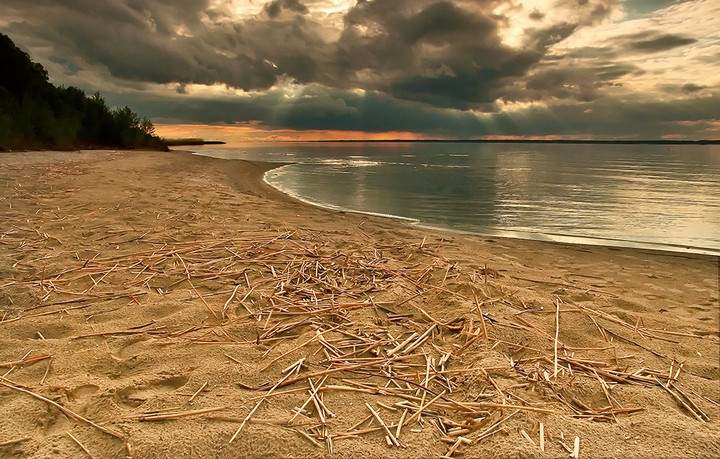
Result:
[
  {"x": 565, "y": 141},
  {"x": 191, "y": 142},
  {"x": 174, "y": 300}
]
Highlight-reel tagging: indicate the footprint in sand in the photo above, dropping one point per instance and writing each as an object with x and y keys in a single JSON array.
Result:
[
  {"x": 130, "y": 347},
  {"x": 82, "y": 392},
  {"x": 136, "y": 395}
]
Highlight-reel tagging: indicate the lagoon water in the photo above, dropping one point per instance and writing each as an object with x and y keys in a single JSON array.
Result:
[{"x": 655, "y": 196}]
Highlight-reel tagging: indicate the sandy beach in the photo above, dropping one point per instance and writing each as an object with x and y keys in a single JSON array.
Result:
[{"x": 170, "y": 305}]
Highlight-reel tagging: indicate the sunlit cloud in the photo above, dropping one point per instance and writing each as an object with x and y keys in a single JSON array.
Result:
[
  {"x": 672, "y": 47},
  {"x": 460, "y": 68}
]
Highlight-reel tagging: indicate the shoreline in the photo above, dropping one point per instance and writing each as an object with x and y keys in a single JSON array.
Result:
[
  {"x": 577, "y": 240},
  {"x": 138, "y": 281}
]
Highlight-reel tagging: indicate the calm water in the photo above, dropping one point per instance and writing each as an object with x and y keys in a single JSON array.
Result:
[{"x": 657, "y": 196}]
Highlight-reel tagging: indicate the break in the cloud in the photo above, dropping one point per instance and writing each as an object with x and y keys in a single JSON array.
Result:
[{"x": 603, "y": 68}]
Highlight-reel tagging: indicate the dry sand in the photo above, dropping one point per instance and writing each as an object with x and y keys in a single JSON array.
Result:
[{"x": 102, "y": 243}]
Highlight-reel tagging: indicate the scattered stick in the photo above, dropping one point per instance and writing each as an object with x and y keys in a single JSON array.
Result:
[
  {"x": 300, "y": 285},
  {"x": 237, "y": 432},
  {"x": 227, "y": 303},
  {"x": 690, "y": 402},
  {"x": 527, "y": 437},
  {"x": 385, "y": 427},
  {"x": 682, "y": 402},
  {"x": 24, "y": 361},
  {"x": 576, "y": 448},
  {"x": 313, "y": 393},
  {"x": 181, "y": 414},
  {"x": 187, "y": 271},
  {"x": 79, "y": 444},
  {"x": 493, "y": 428},
  {"x": 480, "y": 314},
  {"x": 422, "y": 408},
  {"x": 197, "y": 392},
  {"x": 308, "y": 437},
  {"x": 557, "y": 334},
  {"x": 12, "y": 442}
]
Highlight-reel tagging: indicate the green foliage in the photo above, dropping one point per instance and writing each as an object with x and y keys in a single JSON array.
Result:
[{"x": 36, "y": 114}]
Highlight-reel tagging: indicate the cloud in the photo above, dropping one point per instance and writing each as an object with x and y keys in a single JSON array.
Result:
[
  {"x": 623, "y": 118},
  {"x": 314, "y": 107},
  {"x": 690, "y": 87},
  {"x": 443, "y": 53},
  {"x": 653, "y": 42},
  {"x": 189, "y": 42},
  {"x": 579, "y": 83},
  {"x": 448, "y": 67},
  {"x": 536, "y": 15},
  {"x": 320, "y": 108},
  {"x": 275, "y": 7}
]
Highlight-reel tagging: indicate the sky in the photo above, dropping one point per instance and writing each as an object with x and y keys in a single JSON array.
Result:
[{"x": 239, "y": 70}]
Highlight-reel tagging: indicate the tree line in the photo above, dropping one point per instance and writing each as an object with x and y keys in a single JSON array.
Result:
[{"x": 35, "y": 114}]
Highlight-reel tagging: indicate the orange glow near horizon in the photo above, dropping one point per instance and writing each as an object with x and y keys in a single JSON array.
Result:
[
  {"x": 253, "y": 132},
  {"x": 238, "y": 134}
]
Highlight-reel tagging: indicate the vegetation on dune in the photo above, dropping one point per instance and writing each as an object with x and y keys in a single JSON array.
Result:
[{"x": 35, "y": 114}]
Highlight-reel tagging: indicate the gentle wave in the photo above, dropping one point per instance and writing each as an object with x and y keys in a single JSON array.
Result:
[
  {"x": 616, "y": 196},
  {"x": 497, "y": 232},
  {"x": 324, "y": 205},
  {"x": 526, "y": 235}
]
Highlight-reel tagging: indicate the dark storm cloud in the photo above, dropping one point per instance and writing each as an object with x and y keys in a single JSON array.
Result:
[
  {"x": 274, "y": 7},
  {"x": 653, "y": 41},
  {"x": 442, "y": 53},
  {"x": 605, "y": 117},
  {"x": 589, "y": 52},
  {"x": 536, "y": 15},
  {"x": 317, "y": 107},
  {"x": 424, "y": 65},
  {"x": 566, "y": 83},
  {"x": 582, "y": 83},
  {"x": 150, "y": 41},
  {"x": 663, "y": 43},
  {"x": 320, "y": 108},
  {"x": 641, "y": 114},
  {"x": 690, "y": 87}
]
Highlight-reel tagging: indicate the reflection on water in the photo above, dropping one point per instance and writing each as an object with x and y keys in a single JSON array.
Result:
[{"x": 647, "y": 194}]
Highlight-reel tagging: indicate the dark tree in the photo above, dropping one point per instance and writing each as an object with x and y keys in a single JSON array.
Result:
[{"x": 36, "y": 114}]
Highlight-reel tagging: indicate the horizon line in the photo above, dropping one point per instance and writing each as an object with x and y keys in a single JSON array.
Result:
[{"x": 575, "y": 141}]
